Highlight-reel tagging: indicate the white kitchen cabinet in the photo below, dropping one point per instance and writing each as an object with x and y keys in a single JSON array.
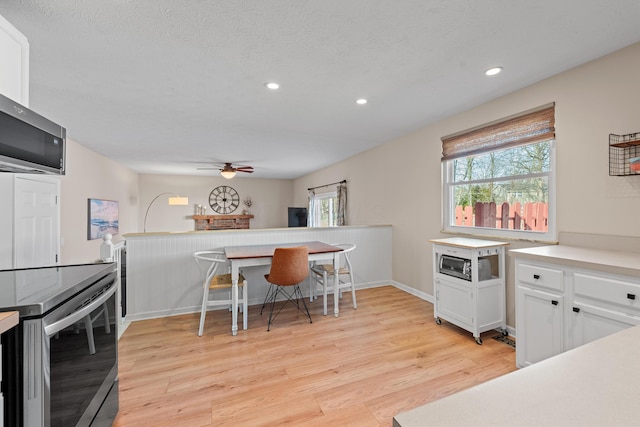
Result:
[
  {"x": 14, "y": 63},
  {"x": 602, "y": 305},
  {"x": 473, "y": 299},
  {"x": 590, "y": 323},
  {"x": 567, "y": 297},
  {"x": 540, "y": 312},
  {"x": 539, "y": 317}
]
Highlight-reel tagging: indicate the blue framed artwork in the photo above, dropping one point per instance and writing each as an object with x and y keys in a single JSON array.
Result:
[{"x": 102, "y": 218}]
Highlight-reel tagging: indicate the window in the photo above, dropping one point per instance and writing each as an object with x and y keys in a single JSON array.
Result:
[
  {"x": 499, "y": 179},
  {"x": 323, "y": 209},
  {"x": 329, "y": 207}
]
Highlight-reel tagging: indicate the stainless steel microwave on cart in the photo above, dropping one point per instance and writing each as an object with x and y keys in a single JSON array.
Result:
[
  {"x": 469, "y": 284},
  {"x": 60, "y": 363}
]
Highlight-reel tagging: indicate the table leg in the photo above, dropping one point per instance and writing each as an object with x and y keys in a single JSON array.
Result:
[
  {"x": 336, "y": 281},
  {"x": 234, "y": 298}
]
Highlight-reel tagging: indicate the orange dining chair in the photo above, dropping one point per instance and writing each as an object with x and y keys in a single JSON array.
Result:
[
  {"x": 210, "y": 264},
  {"x": 289, "y": 267}
]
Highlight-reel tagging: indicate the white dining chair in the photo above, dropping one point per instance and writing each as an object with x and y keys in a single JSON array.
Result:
[
  {"x": 323, "y": 276},
  {"x": 213, "y": 267}
]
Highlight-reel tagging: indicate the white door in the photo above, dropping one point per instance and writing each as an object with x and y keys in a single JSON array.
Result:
[
  {"x": 540, "y": 325},
  {"x": 37, "y": 224},
  {"x": 591, "y": 323}
]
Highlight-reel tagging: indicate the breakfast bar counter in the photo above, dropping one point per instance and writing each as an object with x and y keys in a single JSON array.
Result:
[{"x": 596, "y": 384}]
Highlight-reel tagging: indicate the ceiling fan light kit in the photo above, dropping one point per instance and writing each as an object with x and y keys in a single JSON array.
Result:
[
  {"x": 228, "y": 171},
  {"x": 228, "y": 174}
]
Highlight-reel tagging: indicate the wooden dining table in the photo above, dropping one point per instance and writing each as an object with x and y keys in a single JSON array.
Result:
[{"x": 255, "y": 255}]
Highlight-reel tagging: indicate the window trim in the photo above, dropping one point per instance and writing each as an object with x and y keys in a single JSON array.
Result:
[
  {"x": 324, "y": 196},
  {"x": 448, "y": 214}
]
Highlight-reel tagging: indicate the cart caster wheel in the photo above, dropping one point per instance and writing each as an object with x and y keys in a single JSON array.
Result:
[
  {"x": 438, "y": 321},
  {"x": 505, "y": 333},
  {"x": 479, "y": 341}
]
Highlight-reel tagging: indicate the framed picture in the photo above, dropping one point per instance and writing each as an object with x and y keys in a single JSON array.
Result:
[{"x": 102, "y": 218}]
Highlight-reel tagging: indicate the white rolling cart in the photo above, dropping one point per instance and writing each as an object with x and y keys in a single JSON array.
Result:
[{"x": 469, "y": 284}]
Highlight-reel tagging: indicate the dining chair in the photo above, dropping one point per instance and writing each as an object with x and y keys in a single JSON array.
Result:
[
  {"x": 211, "y": 265},
  {"x": 323, "y": 275},
  {"x": 289, "y": 267}
]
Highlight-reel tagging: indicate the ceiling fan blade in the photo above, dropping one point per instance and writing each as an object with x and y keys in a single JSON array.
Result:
[
  {"x": 208, "y": 169},
  {"x": 245, "y": 170}
]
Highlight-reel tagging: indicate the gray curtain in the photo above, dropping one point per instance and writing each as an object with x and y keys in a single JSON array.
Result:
[
  {"x": 342, "y": 204},
  {"x": 311, "y": 218}
]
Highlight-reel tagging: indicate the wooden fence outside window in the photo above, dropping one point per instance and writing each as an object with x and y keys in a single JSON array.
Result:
[{"x": 530, "y": 216}]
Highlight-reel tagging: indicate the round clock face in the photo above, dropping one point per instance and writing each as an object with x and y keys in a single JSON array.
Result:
[{"x": 224, "y": 199}]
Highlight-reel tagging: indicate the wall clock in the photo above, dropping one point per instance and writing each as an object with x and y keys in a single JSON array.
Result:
[{"x": 224, "y": 199}]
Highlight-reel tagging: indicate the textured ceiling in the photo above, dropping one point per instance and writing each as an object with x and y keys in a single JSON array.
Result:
[{"x": 167, "y": 86}]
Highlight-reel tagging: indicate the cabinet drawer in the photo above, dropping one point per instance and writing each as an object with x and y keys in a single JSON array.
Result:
[
  {"x": 606, "y": 289},
  {"x": 541, "y": 276}
]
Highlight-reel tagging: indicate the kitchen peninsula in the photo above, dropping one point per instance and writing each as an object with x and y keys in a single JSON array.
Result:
[{"x": 163, "y": 279}]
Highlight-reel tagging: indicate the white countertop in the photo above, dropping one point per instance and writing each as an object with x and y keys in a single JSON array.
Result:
[
  {"x": 597, "y": 384},
  {"x": 464, "y": 242},
  {"x": 616, "y": 262}
]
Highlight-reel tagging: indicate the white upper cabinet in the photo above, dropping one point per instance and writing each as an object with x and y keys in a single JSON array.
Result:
[{"x": 14, "y": 63}]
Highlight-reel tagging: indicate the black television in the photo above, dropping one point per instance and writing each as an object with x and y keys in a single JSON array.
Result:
[{"x": 297, "y": 217}]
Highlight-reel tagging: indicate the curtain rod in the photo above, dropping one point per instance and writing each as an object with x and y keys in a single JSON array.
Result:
[{"x": 344, "y": 181}]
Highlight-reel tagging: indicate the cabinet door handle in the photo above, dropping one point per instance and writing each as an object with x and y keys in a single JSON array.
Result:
[
  {"x": 536, "y": 276},
  {"x": 631, "y": 296},
  {"x": 576, "y": 310},
  {"x": 554, "y": 302}
]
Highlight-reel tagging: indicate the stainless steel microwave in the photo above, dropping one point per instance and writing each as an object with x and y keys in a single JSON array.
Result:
[
  {"x": 29, "y": 143},
  {"x": 461, "y": 267}
]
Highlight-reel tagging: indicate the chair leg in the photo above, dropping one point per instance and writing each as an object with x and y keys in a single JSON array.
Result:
[
  {"x": 299, "y": 297},
  {"x": 203, "y": 311},
  {"x": 105, "y": 315},
  {"x": 294, "y": 297},
  {"x": 89, "y": 328},
  {"x": 267, "y": 298},
  {"x": 353, "y": 290},
  {"x": 273, "y": 303}
]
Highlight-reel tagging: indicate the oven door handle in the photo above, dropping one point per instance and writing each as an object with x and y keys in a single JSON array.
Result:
[{"x": 78, "y": 315}]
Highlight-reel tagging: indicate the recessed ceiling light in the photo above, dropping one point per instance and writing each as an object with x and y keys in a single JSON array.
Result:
[
  {"x": 361, "y": 101},
  {"x": 493, "y": 71},
  {"x": 272, "y": 86}
]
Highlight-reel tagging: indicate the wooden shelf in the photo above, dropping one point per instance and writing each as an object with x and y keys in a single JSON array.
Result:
[
  {"x": 221, "y": 222},
  {"x": 214, "y": 217},
  {"x": 626, "y": 144}
]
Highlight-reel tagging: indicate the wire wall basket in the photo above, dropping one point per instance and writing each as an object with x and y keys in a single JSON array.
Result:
[{"x": 624, "y": 154}]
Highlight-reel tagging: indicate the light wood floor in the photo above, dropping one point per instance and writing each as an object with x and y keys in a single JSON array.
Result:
[{"x": 360, "y": 369}]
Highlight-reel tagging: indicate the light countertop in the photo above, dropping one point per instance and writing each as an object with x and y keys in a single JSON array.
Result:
[
  {"x": 8, "y": 319},
  {"x": 616, "y": 262},
  {"x": 593, "y": 385},
  {"x": 464, "y": 242}
]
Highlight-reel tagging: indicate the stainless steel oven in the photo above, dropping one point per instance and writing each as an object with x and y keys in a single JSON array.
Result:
[{"x": 60, "y": 362}]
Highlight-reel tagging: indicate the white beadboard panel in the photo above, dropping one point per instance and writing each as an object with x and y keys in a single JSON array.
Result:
[{"x": 163, "y": 279}]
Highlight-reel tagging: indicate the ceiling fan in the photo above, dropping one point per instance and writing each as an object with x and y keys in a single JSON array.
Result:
[{"x": 228, "y": 171}]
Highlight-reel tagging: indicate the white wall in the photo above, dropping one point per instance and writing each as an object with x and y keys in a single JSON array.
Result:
[
  {"x": 270, "y": 198},
  {"x": 90, "y": 175},
  {"x": 399, "y": 183}
]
